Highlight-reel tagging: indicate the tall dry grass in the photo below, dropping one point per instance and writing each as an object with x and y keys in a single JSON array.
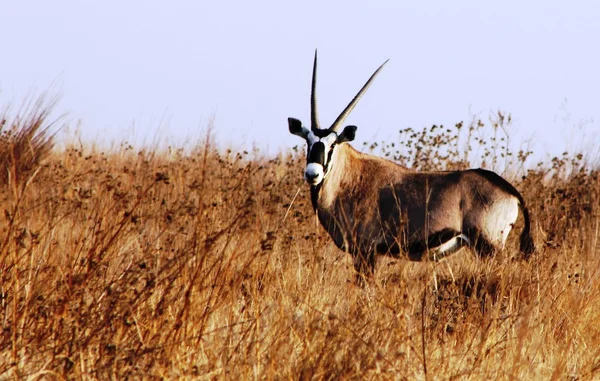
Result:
[{"x": 162, "y": 264}]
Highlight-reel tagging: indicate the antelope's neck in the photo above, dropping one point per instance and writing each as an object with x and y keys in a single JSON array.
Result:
[{"x": 341, "y": 171}]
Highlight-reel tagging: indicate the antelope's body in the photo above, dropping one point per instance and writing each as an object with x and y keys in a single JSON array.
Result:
[{"x": 370, "y": 205}]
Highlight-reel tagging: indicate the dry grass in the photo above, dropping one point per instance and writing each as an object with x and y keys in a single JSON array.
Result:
[
  {"x": 25, "y": 139},
  {"x": 128, "y": 264}
]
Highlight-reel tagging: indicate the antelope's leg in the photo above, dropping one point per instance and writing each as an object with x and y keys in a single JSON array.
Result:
[
  {"x": 438, "y": 245},
  {"x": 484, "y": 248},
  {"x": 449, "y": 247},
  {"x": 481, "y": 244},
  {"x": 364, "y": 265}
]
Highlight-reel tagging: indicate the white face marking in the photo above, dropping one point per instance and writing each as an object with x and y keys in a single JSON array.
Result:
[
  {"x": 315, "y": 172},
  {"x": 329, "y": 140}
]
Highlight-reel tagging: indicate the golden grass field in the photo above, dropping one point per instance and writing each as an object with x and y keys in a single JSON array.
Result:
[{"x": 210, "y": 264}]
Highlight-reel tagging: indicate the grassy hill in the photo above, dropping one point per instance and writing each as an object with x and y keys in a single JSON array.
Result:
[{"x": 211, "y": 264}]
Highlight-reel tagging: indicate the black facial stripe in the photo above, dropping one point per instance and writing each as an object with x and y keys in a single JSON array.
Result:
[
  {"x": 317, "y": 153},
  {"x": 329, "y": 155}
]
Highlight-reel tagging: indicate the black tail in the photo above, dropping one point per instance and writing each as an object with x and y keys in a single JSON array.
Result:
[{"x": 526, "y": 246}]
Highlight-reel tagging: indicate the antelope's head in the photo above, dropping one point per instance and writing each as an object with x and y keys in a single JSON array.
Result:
[{"x": 321, "y": 142}]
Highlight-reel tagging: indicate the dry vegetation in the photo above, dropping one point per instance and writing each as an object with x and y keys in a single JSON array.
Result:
[{"x": 210, "y": 264}]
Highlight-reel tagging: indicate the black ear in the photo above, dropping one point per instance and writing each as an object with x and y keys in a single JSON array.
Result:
[
  {"x": 348, "y": 134},
  {"x": 297, "y": 128}
]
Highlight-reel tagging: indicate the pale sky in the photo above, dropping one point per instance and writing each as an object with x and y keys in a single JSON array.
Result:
[{"x": 248, "y": 64}]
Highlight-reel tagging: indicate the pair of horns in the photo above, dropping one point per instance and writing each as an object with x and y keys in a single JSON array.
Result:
[{"x": 314, "y": 115}]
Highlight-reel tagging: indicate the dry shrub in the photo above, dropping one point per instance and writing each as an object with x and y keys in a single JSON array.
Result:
[
  {"x": 25, "y": 140},
  {"x": 210, "y": 264}
]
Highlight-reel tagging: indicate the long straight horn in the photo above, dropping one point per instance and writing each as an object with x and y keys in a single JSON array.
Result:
[
  {"x": 340, "y": 119},
  {"x": 314, "y": 115}
]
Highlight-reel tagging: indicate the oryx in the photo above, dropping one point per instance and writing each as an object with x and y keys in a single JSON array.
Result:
[{"x": 371, "y": 206}]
